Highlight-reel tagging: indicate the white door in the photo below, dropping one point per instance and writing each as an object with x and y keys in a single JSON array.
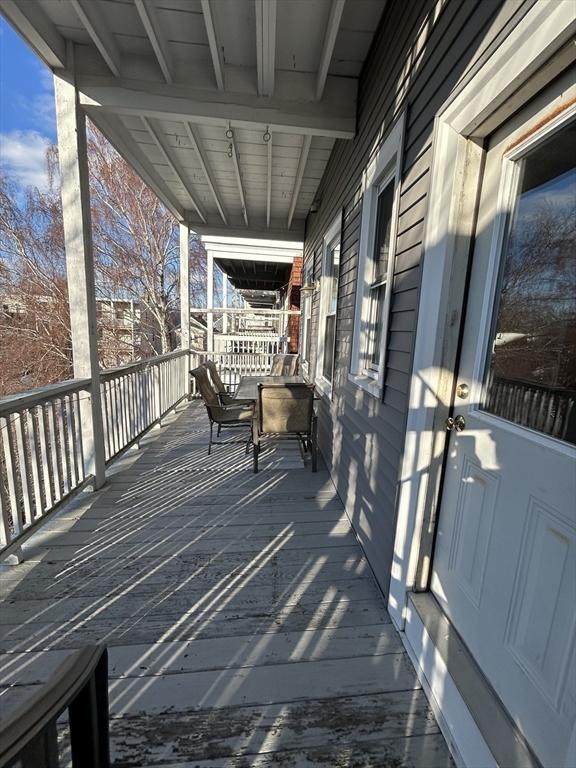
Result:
[{"x": 504, "y": 566}]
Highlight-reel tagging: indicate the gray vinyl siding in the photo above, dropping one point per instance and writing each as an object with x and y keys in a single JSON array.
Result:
[{"x": 422, "y": 54}]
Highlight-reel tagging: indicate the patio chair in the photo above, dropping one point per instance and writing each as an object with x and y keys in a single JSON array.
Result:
[
  {"x": 225, "y": 397},
  {"x": 285, "y": 411},
  {"x": 284, "y": 365},
  {"x": 233, "y": 416}
]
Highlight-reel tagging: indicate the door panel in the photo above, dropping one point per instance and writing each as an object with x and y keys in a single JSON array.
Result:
[{"x": 504, "y": 567}]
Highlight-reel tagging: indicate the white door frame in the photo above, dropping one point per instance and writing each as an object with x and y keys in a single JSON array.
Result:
[{"x": 517, "y": 70}]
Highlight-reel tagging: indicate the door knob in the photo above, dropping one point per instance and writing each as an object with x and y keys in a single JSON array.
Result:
[
  {"x": 462, "y": 390},
  {"x": 455, "y": 423}
]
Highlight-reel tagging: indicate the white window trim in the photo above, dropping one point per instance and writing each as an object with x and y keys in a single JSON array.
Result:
[
  {"x": 385, "y": 167},
  {"x": 334, "y": 232},
  {"x": 306, "y": 306}
]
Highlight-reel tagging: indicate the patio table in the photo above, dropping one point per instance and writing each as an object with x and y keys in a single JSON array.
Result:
[{"x": 248, "y": 387}]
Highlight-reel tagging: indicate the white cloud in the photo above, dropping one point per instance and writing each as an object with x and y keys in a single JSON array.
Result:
[{"x": 23, "y": 157}]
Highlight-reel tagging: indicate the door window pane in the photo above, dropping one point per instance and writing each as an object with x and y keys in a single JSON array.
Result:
[{"x": 531, "y": 377}]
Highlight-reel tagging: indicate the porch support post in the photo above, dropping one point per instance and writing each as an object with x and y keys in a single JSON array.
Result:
[
  {"x": 184, "y": 286},
  {"x": 71, "y": 124},
  {"x": 210, "y": 303},
  {"x": 224, "y": 302}
]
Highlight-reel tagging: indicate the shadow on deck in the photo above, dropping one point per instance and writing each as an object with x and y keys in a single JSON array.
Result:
[{"x": 243, "y": 623}]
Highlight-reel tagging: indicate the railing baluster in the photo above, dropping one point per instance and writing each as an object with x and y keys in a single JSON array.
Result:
[
  {"x": 10, "y": 464},
  {"x": 23, "y": 469},
  {"x": 68, "y": 403},
  {"x": 77, "y": 424},
  {"x": 64, "y": 443},
  {"x": 47, "y": 446},
  {"x": 5, "y": 526},
  {"x": 35, "y": 462},
  {"x": 54, "y": 450}
]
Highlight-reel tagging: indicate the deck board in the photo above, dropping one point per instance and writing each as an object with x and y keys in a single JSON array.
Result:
[{"x": 243, "y": 622}]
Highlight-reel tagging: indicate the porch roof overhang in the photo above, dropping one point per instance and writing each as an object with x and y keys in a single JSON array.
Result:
[
  {"x": 255, "y": 275},
  {"x": 257, "y": 267},
  {"x": 228, "y": 110}
]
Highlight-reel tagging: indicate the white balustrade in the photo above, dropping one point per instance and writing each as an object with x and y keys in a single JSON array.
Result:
[
  {"x": 232, "y": 365},
  {"x": 42, "y": 456}
]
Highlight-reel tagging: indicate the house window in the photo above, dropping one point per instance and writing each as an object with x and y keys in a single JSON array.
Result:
[
  {"x": 306, "y": 318},
  {"x": 328, "y": 305},
  {"x": 379, "y": 273},
  {"x": 376, "y": 263}
]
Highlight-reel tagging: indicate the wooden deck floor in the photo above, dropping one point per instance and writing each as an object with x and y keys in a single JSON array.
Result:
[{"x": 243, "y": 623}]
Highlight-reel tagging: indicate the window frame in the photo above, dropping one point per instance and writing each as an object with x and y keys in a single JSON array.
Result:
[
  {"x": 332, "y": 237},
  {"x": 385, "y": 168},
  {"x": 306, "y": 318}
]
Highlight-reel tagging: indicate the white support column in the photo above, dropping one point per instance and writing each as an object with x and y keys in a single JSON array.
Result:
[
  {"x": 210, "y": 302},
  {"x": 71, "y": 123},
  {"x": 184, "y": 286},
  {"x": 224, "y": 302}
]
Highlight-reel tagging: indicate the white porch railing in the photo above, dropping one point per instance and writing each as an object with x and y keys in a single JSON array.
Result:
[
  {"x": 137, "y": 395},
  {"x": 41, "y": 454},
  {"x": 246, "y": 344},
  {"x": 42, "y": 451},
  {"x": 232, "y": 366}
]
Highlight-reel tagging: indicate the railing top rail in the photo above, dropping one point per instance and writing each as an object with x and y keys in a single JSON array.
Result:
[
  {"x": 23, "y": 400},
  {"x": 232, "y": 354},
  {"x": 140, "y": 365},
  {"x": 52, "y": 698}
]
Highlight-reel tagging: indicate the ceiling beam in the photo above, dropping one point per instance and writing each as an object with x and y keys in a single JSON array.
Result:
[
  {"x": 35, "y": 27},
  {"x": 306, "y": 142},
  {"x": 257, "y": 229},
  {"x": 334, "y": 116},
  {"x": 173, "y": 164},
  {"x": 215, "y": 51},
  {"x": 269, "y": 182},
  {"x": 121, "y": 139},
  {"x": 266, "y": 45},
  {"x": 195, "y": 140},
  {"x": 236, "y": 162},
  {"x": 336, "y": 10},
  {"x": 102, "y": 37},
  {"x": 149, "y": 17}
]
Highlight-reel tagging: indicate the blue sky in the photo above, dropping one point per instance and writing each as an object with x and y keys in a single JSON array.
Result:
[{"x": 27, "y": 120}]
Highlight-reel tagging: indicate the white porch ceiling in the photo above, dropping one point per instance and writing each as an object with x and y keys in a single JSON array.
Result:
[{"x": 165, "y": 80}]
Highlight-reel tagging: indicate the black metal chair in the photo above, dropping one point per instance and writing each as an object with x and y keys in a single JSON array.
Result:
[
  {"x": 285, "y": 411},
  {"x": 232, "y": 416}
]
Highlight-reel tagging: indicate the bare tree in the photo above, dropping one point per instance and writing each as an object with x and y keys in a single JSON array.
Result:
[
  {"x": 137, "y": 266},
  {"x": 137, "y": 245},
  {"x": 35, "y": 343}
]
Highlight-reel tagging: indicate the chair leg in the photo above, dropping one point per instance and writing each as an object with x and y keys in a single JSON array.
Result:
[
  {"x": 210, "y": 440},
  {"x": 255, "y": 452}
]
